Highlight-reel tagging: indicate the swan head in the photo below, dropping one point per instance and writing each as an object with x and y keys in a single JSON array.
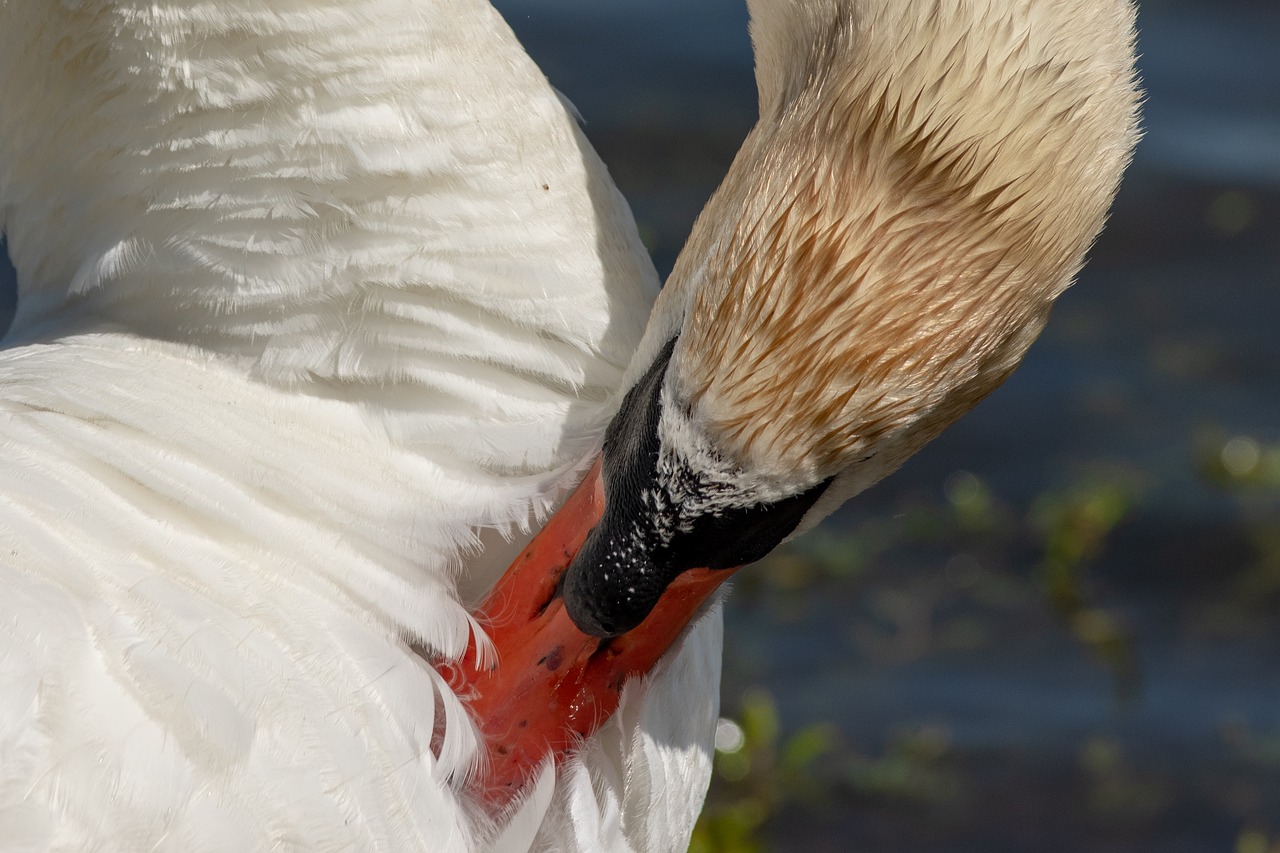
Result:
[{"x": 923, "y": 182}]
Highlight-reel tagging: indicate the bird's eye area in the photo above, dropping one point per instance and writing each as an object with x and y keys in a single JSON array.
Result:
[
  {"x": 723, "y": 532},
  {"x": 657, "y": 524}
]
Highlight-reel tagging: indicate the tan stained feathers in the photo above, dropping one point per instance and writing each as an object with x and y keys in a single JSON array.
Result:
[{"x": 924, "y": 180}]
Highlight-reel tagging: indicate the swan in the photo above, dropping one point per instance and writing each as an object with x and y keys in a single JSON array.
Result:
[{"x": 324, "y": 307}]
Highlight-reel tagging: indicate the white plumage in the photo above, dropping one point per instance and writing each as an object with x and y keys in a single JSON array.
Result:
[
  {"x": 311, "y": 294},
  {"x": 324, "y": 303}
]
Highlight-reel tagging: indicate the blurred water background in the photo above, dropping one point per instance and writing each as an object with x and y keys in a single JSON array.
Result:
[{"x": 1058, "y": 628}]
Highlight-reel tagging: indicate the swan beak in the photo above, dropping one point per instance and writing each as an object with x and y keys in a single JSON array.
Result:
[{"x": 549, "y": 685}]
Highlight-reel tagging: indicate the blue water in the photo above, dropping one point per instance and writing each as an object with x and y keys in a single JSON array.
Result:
[{"x": 1214, "y": 84}]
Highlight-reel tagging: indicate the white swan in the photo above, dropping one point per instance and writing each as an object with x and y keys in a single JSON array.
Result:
[{"x": 314, "y": 294}]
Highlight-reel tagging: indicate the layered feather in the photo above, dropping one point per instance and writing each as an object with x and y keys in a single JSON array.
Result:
[
  {"x": 319, "y": 299},
  {"x": 316, "y": 300},
  {"x": 924, "y": 181}
]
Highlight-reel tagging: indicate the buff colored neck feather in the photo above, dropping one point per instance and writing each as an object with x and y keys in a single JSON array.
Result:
[{"x": 922, "y": 184}]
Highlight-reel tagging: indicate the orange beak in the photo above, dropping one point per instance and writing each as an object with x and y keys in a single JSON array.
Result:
[{"x": 552, "y": 685}]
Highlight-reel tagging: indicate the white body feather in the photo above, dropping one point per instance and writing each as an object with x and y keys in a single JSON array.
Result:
[
  {"x": 311, "y": 296},
  {"x": 319, "y": 297}
]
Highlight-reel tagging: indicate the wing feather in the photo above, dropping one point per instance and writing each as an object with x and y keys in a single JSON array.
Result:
[{"x": 312, "y": 295}]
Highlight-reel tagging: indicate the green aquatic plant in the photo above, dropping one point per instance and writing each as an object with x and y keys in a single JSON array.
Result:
[
  {"x": 933, "y": 576},
  {"x": 757, "y": 772},
  {"x": 1073, "y": 527},
  {"x": 1247, "y": 469},
  {"x": 965, "y": 570}
]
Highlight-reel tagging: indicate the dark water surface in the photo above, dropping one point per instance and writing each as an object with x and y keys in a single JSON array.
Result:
[{"x": 1166, "y": 350}]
